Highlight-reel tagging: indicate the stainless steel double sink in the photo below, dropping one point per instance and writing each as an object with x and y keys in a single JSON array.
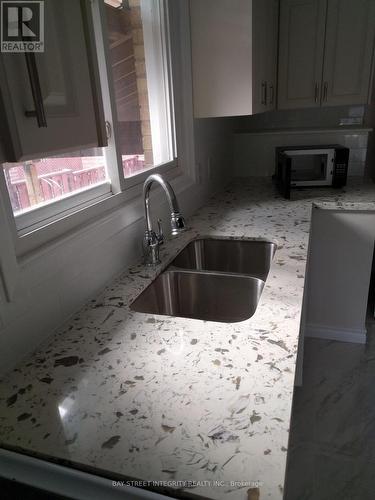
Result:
[{"x": 211, "y": 279}]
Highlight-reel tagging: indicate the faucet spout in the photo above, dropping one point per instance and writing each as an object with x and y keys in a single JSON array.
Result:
[{"x": 153, "y": 240}]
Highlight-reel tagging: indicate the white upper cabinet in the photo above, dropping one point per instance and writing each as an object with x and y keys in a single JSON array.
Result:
[
  {"x": 325, "y": 52},
  {"x": 348, "y": 51},
  {"x": 234, "y": 53},
  {"x": 51, "y": 100},
  {"x": 301, "y": 48}
]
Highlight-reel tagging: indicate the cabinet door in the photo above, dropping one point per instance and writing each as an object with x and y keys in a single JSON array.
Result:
[
  {"x": 264, "y": 50},
  {"x": 68, "y": 88},
  {"x": 302, "y": 30},
  {"x": 348, "y": 52},
  {"x": 272, "y": 27},
  {"x": 221, "y": 57}
]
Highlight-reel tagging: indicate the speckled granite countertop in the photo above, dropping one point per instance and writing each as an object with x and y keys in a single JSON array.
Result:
[{"x": 133, "y": 395}]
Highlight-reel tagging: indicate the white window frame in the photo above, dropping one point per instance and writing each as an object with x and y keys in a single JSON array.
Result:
[
  {"x": 68, "y": 204},
  {"x": 155, "y": 29},
  {"x": 79, "y": 209}
]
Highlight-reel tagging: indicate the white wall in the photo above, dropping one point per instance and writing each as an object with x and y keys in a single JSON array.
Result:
[
  {"x": 214, "y": 149},
  {"x": 54, "y": 284},
  {"x": 338, "y": 274}
]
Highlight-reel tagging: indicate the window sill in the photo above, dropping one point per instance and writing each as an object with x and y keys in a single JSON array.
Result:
[
  {"x": 39, "y": 217},
  {"x": 31, "y": 244},
  {"x": 163, "y": 169}
]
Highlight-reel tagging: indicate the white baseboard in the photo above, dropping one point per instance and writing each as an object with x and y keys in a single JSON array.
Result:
[{"x": 357, "y": 336}]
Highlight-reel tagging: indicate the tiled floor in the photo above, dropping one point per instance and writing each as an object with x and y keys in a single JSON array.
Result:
[{"x": 332, "y": 440}]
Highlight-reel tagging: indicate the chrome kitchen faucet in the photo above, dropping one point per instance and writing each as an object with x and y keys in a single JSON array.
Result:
[{"x": 151, "y": 239}]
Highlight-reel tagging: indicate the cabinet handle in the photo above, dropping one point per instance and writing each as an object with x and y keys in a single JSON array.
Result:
[
  {"x": 39, "y": 112},
  {"x": 272, "y": 91},
  {"x": 264, "y": 93},
  {"x": 325, "y": 91},
  {"x": 316, "y": 92}
]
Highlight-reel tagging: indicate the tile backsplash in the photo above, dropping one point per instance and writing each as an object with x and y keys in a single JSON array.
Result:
[
  {"x": 333, "y": 116},
  {"x": 255, "y": 151},
  {"x": 358, "y": 150},
  {"x": 258, "y": 135}
]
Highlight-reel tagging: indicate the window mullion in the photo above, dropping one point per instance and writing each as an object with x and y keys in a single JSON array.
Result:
[
  {"x": 168, "y": 75},
  {"x": 112, "y": 152}
]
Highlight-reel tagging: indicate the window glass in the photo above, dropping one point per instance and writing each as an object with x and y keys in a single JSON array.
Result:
[
  {"x": 139, "y": 66},
  {"x": 139, "y": 72},
  {"x": 34, "y": 183}
]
